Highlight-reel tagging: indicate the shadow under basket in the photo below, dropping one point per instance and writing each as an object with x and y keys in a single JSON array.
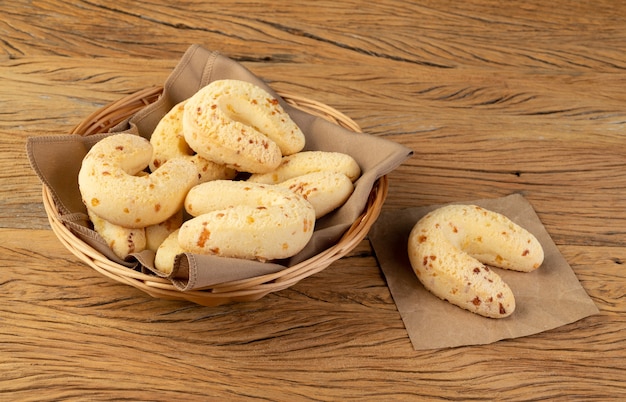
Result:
[{"x": 236, "y": 291}]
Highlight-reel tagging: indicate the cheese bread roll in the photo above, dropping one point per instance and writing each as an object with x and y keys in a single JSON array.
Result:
[
  {"x": 246, "y": 220},
  {"x": 240, "y": 125},
  {"x": 112, "y": 186},
  {"x": 309, "y": 162},
  {"x": 448, "y": 250}
]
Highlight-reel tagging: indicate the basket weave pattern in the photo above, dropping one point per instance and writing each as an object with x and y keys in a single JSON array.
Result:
[{"x": 236, "y": 291}]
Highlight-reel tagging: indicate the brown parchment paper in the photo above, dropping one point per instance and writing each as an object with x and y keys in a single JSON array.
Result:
[
  {"x": 547, "y": 298},
  {"x": 57, "y": 160}
]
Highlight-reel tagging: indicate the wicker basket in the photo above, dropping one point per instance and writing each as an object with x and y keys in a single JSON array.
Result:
[{"x": 236, "y": 291}]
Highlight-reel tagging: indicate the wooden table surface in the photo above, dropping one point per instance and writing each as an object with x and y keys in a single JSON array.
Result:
[{"x": 494, "y": 97}]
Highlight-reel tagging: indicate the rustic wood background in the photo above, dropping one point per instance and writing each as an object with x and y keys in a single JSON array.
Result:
[{"x": 494, "y": 97}]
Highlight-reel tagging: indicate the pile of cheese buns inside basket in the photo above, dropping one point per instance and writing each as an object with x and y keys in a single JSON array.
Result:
[{"x": 224, "y": 173}]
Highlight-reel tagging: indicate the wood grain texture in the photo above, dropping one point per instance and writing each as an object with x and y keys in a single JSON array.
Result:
[{"x": 494, "y": 98}]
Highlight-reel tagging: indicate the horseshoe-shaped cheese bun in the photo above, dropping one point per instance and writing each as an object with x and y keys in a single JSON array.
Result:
[
  {"x": 308, "y": 162},
  {"x": 167, "y": 252},
  {"x": 113, "y": 187},
  {"x": 449, "y": 247},
  {"x": 246, "y": 220},
  {"x": 240, "y": 125},
  {"x": 123, "y": 241},
  {"x": 168, "y": 142},
  {"x": 157, "y": 233},
  {"x": 326, "y": 191}
]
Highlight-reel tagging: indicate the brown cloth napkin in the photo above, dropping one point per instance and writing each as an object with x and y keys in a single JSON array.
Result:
[
  {"x": 547, "y": 298},
  {"x": 57, "y": 160}
]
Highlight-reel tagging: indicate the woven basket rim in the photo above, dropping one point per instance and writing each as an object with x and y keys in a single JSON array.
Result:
[{"x": 242, "y": 290}]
